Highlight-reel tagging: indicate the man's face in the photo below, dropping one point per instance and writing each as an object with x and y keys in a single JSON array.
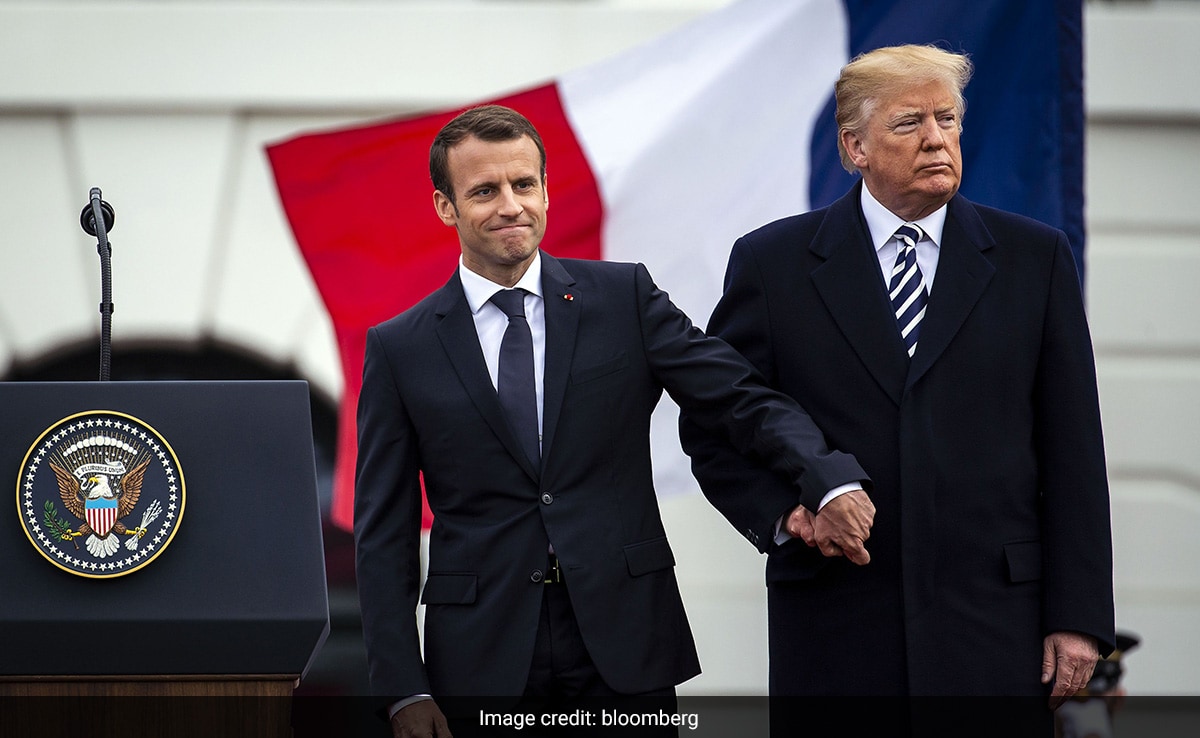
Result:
[
  {"x": 499, "y": 206},
  {"x": 909, "y": 153}
]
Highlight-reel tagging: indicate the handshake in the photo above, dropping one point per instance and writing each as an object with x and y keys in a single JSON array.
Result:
[{"x": 841, "y": 528}]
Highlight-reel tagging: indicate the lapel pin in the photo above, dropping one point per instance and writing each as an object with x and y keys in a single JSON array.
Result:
[{"x": 568, "y": 297}]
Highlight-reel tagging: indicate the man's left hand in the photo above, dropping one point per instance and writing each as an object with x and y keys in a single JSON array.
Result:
[
  {"x": 840, "y": 529},
  {"x": 1068, "y": 658}
]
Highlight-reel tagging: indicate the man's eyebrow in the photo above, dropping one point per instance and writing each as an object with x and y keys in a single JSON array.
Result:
[
  {"x": 480, "y": 184},
  {"x": 905, "y": 113}
]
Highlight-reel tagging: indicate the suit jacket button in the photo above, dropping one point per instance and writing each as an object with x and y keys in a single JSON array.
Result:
[
  {"x": 547, "y": 498},
  {"x": 536, "y": 576}
]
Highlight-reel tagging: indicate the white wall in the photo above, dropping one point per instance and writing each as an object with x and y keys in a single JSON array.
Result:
[
  {"x": 167, "y": 105},
  {"x": 1143, "y": 259}
]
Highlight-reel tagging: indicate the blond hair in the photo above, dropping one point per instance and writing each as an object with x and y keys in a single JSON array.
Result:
[{"x": 883, "y": 72}]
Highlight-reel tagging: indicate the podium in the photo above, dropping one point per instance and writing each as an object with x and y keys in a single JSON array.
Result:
[{"x": 163, "y": 565}]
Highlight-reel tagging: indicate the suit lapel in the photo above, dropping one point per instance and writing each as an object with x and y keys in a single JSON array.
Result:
[
  {"x": 456, "y": 331},
  {"x": 963, "y": 273},
  {"x": 851, "y": 286},
  {"x": 562, "y": 322}
]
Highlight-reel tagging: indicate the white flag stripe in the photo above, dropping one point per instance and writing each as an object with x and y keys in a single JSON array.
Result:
[
  {"x": 697, "y": 138},
  {"x": 703, "y": 135}
]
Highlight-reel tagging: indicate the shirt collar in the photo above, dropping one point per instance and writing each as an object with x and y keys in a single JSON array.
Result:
[
  {"x": 479, "y": 289},
  {"x": 882, "y": 223}
]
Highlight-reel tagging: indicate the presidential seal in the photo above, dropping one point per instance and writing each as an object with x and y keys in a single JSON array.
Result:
[{"x": 100, "y": 494}]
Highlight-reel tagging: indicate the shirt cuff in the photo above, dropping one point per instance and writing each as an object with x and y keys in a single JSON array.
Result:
[
  {"x": 398, "y": 706},
  {"x": 837, "y": 492},
  {"x": 781, "y": 534}
]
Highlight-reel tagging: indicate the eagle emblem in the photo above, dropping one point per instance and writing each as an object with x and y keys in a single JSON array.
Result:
[
  {"x": 101, "y": 494},
  {"x": 119, "y": 486}
]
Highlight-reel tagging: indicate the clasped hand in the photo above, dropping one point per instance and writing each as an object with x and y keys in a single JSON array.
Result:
[
  {"x": 841, "y": 528},
  {"x": 421, "y": 719}
]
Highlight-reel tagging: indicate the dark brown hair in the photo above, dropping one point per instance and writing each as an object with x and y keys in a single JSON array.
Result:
[{"x": 487, "y": 123}]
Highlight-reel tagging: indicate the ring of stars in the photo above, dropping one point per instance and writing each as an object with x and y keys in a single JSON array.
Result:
[{"x": 106, "y": 431}]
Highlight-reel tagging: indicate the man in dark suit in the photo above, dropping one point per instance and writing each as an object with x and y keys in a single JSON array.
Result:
[
  {"x": 550, "y": 575},
  {"x": 958, "y": 370}
]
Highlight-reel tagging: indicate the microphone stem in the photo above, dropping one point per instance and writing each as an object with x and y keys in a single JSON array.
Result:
[{"x": 106, "y": 304}]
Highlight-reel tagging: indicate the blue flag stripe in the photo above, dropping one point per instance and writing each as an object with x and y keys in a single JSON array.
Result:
[{"x": 1023, "y": 131}]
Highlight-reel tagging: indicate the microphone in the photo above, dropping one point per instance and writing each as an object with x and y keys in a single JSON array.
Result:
[
  {"x": 87, "y": 219},
  {"x": 97, "y": 219}
]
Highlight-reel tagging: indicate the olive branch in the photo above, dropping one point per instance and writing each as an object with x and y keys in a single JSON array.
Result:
[{"x": 56, "y": 524}]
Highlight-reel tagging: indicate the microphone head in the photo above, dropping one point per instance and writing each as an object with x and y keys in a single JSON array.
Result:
[{"x": 87, "y": 218}]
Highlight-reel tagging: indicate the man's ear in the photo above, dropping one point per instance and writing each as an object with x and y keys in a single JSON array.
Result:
[
  {"x": 445, "y": 207},
  {"x": 853, "y": 143}
]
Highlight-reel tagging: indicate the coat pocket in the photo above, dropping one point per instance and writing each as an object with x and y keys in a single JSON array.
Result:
[
  {"x": 1024, "y": 559},
  {"x": 449, "y": 589},
  {"x": 647, "y": 556},
  {"x": 586, "y": 374}
]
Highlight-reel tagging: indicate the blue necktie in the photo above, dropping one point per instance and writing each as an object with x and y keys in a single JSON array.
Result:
[
  {"x": 515, "y": 382},
  {"x": 907, "y": 287}
]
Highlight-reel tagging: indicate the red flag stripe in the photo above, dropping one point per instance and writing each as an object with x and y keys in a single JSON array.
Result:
[{"x": 360, "y": 205}]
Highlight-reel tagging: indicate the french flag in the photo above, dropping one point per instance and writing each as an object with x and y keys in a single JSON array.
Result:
[{"x": 666, "y": 153}]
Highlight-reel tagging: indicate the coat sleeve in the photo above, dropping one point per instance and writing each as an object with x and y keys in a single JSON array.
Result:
[
  {"x": 758, "y": 430},
  {"x": 1076, "y": 524},
  {"x": 387, "y": 529}
]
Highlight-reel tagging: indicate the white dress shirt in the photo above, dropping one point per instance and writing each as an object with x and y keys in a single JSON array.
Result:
[{"x": 882, "y": 224}]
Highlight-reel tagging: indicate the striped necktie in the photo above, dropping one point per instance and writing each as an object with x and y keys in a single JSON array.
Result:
[{"x": 907, "y": 287}]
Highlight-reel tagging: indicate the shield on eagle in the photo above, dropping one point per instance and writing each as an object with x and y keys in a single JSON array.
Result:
[{"x": 101, "y": 514}]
